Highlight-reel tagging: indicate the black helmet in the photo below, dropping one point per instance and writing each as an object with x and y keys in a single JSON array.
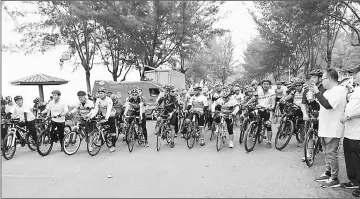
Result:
[
  {"x": 18, "y": 97},
  {"x": 57, "y": 92},
  {"x": 316, "y": 72},
  {"x": 81, "y": 93}
]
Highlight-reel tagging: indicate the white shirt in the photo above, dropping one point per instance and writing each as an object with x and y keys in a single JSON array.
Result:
[
  {"x": 198, "y": 102},
  {"x": 228, "y": 107},
  {"x": 85, "y": 109},
  {"x": 8, "y": 108},
  {"x": 329, "y": 119},
  {"x": 352, "y": 127},
  {"x": 56, "y": 108},
  {"x": 18, "y": 112},
  {"x": 105, "y": 107},
  {"x": 266, "y": 99},
  {"x": 239, "y": 98}
]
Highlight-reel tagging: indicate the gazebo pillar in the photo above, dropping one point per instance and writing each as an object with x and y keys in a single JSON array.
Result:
[{"x": 41, "y": 92}]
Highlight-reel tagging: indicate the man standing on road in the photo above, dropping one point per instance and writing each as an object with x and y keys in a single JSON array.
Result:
[
  {"x": 352, "y": 136},
  {"x": 332, "y": 108}
]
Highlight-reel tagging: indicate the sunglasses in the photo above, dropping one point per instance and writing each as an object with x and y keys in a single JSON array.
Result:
[{"x": 321, "y": 80}]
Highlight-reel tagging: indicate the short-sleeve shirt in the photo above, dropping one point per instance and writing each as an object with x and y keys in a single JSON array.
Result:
[
  {"x": 56, "y": 108},
  {"x": 329, "y": 119},
  {"x": 265, "y": 99},
  {"x": 198, "y": 102},
  {"x": 18, "y": 112},
  {"x": 352, "y": 127},
  {"x": 298, "y": 97},
  {"x": 102, "y": 106},
  {"x": 170, "y": 102},
  {"x": 227, "y": 107},
  {"x": 85, "y": 108}
]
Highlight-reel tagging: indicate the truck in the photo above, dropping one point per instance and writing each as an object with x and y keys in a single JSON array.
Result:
[
  {"x": 167, "y": 77},
  {"x": 150, "y": 90}
]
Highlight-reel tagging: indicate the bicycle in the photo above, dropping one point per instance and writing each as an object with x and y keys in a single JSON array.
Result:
[
  {"x": 246, "y": 121},
  {"x": 277, "y": 113},
  {"x": 164, "y": 131},
  {"x": 75, "y": 137},
  {"x": 222, "y": 131},
  {"x": 312, "y": 142},
  {"x": 193, "y": 132},
  {"x": 16, "y": 135},
  {"x": 254, "y": 132},
  {"x": 134, "y": 132},
  {"x": 287, "y": 126},
  {"x": 100, "y": 135}
]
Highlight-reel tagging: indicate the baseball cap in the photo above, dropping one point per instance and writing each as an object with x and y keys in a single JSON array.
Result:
[{"x": 354, "y": 69}]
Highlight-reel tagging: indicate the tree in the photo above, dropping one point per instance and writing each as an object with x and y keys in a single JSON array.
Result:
[{"x": 62, "y": 23}]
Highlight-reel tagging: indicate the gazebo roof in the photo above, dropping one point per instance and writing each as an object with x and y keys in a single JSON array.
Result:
[{"x": 39, "y": 79}]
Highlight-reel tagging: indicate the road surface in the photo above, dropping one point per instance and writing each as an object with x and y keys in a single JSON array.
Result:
[{"x": 177, "y": 172}]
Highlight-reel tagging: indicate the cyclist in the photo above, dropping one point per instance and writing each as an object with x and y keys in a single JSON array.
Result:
[
  {"x": 265, "y": 98},
  {"x": 280, "y": 92},
  {"x": 238, "y": 95},
  {"x": 199, "y": 104},
  {"x": 83, "y": 108},
  {"x": 297, "y": 97},
  {"x": 228, "y": 106},
  {"x": 217, "y": 91},
  {"x": 38, "y": 107},
  {"x": 56, "y": 108},
  {"x": 25, "y": 115},
  {"x": 254, "y": 84},
  {"x": 135, "y": 105},
  {"x": 104, "y": 107},
  {"x": 171, "y": 104},
  {"x": 9, "y": 104},
  {"x": 249, "y": 92}
]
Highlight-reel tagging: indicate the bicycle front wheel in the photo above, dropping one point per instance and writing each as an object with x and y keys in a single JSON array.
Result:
[
  {"x": 95, "y": 142},
  {"x": 131, "y": 138},
  {"x": 71, "y": 142},
  {"x": 9, "y": 148},
  {"x": 30, "y": 141},
  {"x": 190, "y": 141},
  {"x": 242, "y": 130},
  {"x": 310, "y": 147},
  {"x": 276, "y": 114},
  {"x": 45, "y": 143},
  {"x": 283, "y": 136},
  {"x": 219, "y": 138},
  {"x": 250, "y": 136}
]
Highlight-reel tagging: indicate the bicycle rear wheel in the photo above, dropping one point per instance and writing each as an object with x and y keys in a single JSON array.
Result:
[
  {"x": 95, "y": 142},
  {"x": 158, "y": 138},
  {"x": 71, "y": 142},
  {"x": 31, "y": 142},
  {"x": 242, "y": 130},
  {"x": 250, "y": 136},
  {"x": 276, "y": 114},
  {"x": 219, "y": 138},
  {"x": 284, "y": 134},
  {"x": 9, "y": 148},
  {"x": 131, "y": 138},
  {"x": 45, "y": 143},
  {"x": 213, "y": 128}
]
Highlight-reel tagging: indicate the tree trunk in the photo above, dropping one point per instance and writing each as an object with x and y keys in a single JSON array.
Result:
[
  {"x": 114, "y": 75},
  {"x": 87, "y": 73}
]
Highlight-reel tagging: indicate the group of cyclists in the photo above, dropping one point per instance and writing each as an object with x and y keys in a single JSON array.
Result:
[{"x": 179, "y": 107}]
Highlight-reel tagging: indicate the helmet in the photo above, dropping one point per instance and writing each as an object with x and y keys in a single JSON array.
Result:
[
  {"x": 237, "y": 88},
  {"x": 101, "y": 89},
  {"x": 8, "y": 99},
  {"x": 109, "y": 92},
  {"x": 81, "y": 93},
  {"x": 225, "y": 92},
  {"x": 298, "y": 82},
  {"x": 266, "y": 80},
  {"x": 316, "y": 72},
  {"x": 250, "y": 89},
  {"x": 134, "y": 91},
  {"x": 217, "y": 84},
  {"x": 280, "y": 82},
  {"x": 197, "y": 87},
  {"x": 18, "y": 97},
  {"x": 169, "y": 87},
  {"x": 36, "y": 100},
  {"x": 56, "y": 92},
  {"x": 254, "y": 82}
]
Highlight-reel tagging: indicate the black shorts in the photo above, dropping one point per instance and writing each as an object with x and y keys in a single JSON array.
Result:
[
  {"x": 265, "y": 115},
  {"x": 299, "y": 114},
  {"x": 200, "y": 118},
  {"x": 174, "y": 118}
]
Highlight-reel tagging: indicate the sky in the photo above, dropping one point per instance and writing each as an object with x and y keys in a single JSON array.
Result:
[{"x": 17, "y": 65}]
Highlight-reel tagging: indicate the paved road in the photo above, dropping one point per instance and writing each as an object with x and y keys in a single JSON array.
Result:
[{"x": 177, "y": 172}]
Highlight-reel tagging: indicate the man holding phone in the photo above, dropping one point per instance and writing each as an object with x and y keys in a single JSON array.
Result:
[{"x": 332, "y": 108}]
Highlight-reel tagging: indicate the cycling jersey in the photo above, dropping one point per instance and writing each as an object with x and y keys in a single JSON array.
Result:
[
  {"x": 226, "y": 107},
  {"x": 215, "y": 96},
  {"x": 105, "y": 107},
  {"x": 298, "y": 97},
  {"x": 239, "y": 98},
  {"x": 198, "y": 103},
  {"x": 83, "y": 108},
  {"x": 57, "y": 108},
  {"x": 265, "y": 99},
  {"x": 135, "y": 102},
  {"x": 170, "y": 102},
  {"x": 279, "y": 92}
]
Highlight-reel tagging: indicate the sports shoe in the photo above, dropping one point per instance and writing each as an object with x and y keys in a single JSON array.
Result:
[
  {"x": 146, "y": 144},
  {"x": 172, "y": 145},
  {"x": 303, "y": 158},
  {"x": 349, "y": 185},
  {"x": 112, "y": 149},
  {"x": 356, "y": 193},
  {"x": 268, "y": 145},
  {"x": 202, "y": 143},
  {"x": 331, "y": 182},
  {"x": 231, "y": 144},
  {"x": 324, "y": 176},
  {"x": 91, "y": 149}
]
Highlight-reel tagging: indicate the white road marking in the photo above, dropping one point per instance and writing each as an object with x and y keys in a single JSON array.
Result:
[{"x": 24, "y": 176}]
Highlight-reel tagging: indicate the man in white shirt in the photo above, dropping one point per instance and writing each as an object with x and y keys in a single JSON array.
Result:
[
  {"x": 83, "y": 108},
  {"x": 333, "y": 103},
  {"x": 25, "y": 115},
  {"x": 56, "y": 108},
  {"x": 351, "y": 141},
  {"x": 266, "y": 99}
]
